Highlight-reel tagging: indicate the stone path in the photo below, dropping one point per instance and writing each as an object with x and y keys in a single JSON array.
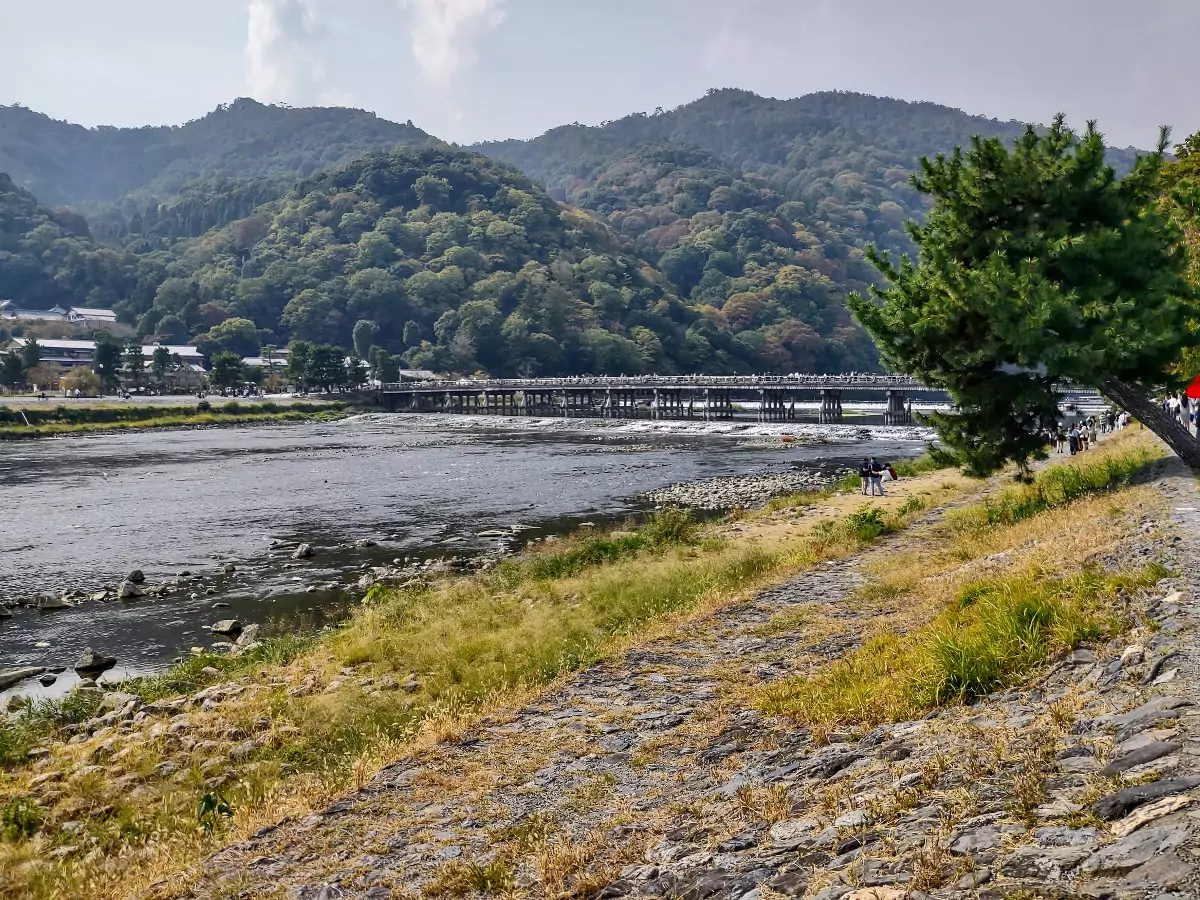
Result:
[{"x": 652, "y": 777}]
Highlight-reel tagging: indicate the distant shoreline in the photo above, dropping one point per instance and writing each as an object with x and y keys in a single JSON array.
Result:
[{"x": 62, "y": 420}]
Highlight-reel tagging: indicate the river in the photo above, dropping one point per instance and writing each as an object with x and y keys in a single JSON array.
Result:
[{"x": 80, "y": 512}]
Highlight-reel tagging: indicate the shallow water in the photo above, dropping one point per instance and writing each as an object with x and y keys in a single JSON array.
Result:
[{"x": 83, "y": 511}]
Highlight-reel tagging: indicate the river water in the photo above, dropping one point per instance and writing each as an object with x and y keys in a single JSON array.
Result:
[{"x": 80, "y": 512}]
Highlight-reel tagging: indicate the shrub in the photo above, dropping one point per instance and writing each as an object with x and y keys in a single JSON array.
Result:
[{"x": 203, "y": 406}]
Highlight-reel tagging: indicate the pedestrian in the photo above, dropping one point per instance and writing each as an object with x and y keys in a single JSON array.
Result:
[
  {"x": 1073, "y": 439},
  {"x": 876, "y": 477},
  {"x": 864, "y": 472}
]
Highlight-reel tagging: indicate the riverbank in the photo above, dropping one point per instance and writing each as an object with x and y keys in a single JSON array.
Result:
[
  {"x": 289, "y": 724},
  {"x": 21, "y": 423}
]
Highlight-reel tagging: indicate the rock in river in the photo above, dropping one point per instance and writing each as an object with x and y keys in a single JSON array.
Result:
[
  {"x": 304, "y": 551},
  {"x": 129, "y": 591},
  {"x": 92, "y": 662},
  {"x": 49, "y": 603},
  {"x": 9, "y": 677},
  {"x": 136, "y": 576},
  {"x": 228, "y": 627}
]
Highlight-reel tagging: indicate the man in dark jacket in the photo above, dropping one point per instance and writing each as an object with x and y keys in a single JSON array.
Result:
[
  {"x": 876, "y": 477},
  {"x": 864, "y": 472}
]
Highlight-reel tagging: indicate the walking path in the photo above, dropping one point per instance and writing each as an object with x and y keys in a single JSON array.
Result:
[{"x": 654, "y": 776}]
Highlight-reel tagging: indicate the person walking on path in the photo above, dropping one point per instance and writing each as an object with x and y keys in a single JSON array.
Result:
[
  {"x": 876, "y": 478},
  {"x": 864, "y": 472},
  {"x": 1073, "y": 439}
]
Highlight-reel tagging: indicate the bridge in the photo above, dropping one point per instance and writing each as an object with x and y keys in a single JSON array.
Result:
[{"x": 704, "y": 397}]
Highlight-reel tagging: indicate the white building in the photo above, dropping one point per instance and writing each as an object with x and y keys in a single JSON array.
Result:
[{"x": 83, "y": 315}]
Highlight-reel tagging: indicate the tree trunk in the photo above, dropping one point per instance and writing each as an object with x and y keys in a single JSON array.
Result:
[{"x": 1157, "y": 419}]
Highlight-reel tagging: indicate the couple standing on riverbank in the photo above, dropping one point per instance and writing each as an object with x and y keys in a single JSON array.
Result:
[{"x": 871, "y": 472}]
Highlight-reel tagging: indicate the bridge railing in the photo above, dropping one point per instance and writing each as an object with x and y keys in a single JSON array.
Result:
[{"x": 663, "y": 381}]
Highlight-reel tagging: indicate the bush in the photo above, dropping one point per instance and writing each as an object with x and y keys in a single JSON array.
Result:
[
  {"x": 203, "y": 406},
  {"x": 670, "y": 525}
]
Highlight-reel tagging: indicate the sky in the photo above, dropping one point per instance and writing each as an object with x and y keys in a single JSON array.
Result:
[{"x": 471, "y": 70}]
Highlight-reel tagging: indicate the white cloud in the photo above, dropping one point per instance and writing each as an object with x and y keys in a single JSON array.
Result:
[
  {"x": 283, "y": 55},
  {"x": 442, "y": 32}
]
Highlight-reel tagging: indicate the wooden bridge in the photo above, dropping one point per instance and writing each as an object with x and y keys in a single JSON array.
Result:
[{"x": 768, "y": 398}]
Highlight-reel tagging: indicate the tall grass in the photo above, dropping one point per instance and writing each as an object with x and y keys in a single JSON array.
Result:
[
  {"x": 1058, "y": 486},
  {"x": 666, "y": 527},
  {"x": 993, "y": 634}
]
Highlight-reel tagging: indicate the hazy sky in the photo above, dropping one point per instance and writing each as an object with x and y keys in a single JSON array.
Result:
[{"x": 470, "y": 70}]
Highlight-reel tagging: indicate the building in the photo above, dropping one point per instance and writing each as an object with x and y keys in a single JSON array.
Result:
[
  {"x": 10, "y": 310},
  {"x": 277, "y": 362},
  {"x": 97, "y": 318},
  {"x": 189, "y": 355},
  {"x": 67, "y": 354},
  {"x": 70, "y": 354}
]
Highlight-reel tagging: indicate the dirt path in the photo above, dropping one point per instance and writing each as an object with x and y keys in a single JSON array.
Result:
[{"x": 655, "y": 776}]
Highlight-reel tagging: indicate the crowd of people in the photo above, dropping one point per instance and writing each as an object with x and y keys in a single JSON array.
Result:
[{"x": 1081, "y": 435}]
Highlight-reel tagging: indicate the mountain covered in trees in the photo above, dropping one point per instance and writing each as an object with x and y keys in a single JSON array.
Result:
[
  {"x": 65, "y": 163},
  {"x": 722, "y": 236}
]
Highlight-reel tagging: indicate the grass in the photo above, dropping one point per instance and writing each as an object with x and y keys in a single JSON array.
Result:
[
  {"x": 992, "y": 631},
  {"x": 1058, "y": 486},
  {"x": 993, "y": 634},
  {"x": 63, "y": 420}
]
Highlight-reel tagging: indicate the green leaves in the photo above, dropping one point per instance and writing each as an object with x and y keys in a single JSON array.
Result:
[{"x": 1036, "y": 265}]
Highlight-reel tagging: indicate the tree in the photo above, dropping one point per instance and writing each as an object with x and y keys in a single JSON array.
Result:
[
  {"x": 1037, "y": 266},
  {"x": 364, "y": 336},
  {"x": 106, "y": 362},
  {"x": 171, "y": 330},
  {"x": 412, "y": 333},
  {"x": 226, "y": 370},
  {"x": 356, "y": 373},
  {"x": 134, "y": 363},
  {"x": 234, "y": 335},
  {"x": 83, "y": 380},
  {"x": 31, "y": 353},
  {"x": 327, "y": 367},
  {"x": 299, "y": 366},
  {"x": 12, "y": 370},
  {"x": 160, "y": 363},
  {"x": 384, "y": 366}
]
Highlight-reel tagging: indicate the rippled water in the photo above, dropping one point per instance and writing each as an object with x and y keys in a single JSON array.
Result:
[{"x": 80, "y": 512}]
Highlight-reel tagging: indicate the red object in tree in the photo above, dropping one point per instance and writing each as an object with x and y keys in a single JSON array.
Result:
[{"x": 1193, "y": 389}]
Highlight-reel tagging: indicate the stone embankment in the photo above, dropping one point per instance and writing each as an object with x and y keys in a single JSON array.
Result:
[{"x": 653, "y": 776}]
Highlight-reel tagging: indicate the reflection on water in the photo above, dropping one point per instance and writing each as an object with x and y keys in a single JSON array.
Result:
[{"x": 82, "y": 511}]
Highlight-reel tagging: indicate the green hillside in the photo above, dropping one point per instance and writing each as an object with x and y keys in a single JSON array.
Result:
[
  {"x": 757, "y": 209},
  {"x": 65, "y": 163}
]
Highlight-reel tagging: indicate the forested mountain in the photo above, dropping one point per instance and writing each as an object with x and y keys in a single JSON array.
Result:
[
  {"x": 48, "y": 257},
  {"x": 722, "y": 236},
  {"x": 758, "y": 209},
  {"x": 65, "y": 163},
  {"x": 457, "y": 259}
]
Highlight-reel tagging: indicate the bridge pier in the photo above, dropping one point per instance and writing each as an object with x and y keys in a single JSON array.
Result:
[
  {"x": 831, "y": 406},
  {"x": 897, "y": 412}
]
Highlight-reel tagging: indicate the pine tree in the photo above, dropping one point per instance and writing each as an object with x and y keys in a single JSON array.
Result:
[{"x": 1037, "y": 266}]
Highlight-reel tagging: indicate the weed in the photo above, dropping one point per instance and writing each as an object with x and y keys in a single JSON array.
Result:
[
  {"x": 211, "y": 809},
  {"x": 458, "y": 879},
  {"x": 20, "y": 818},
  {"x": 766, "y": 804}
]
